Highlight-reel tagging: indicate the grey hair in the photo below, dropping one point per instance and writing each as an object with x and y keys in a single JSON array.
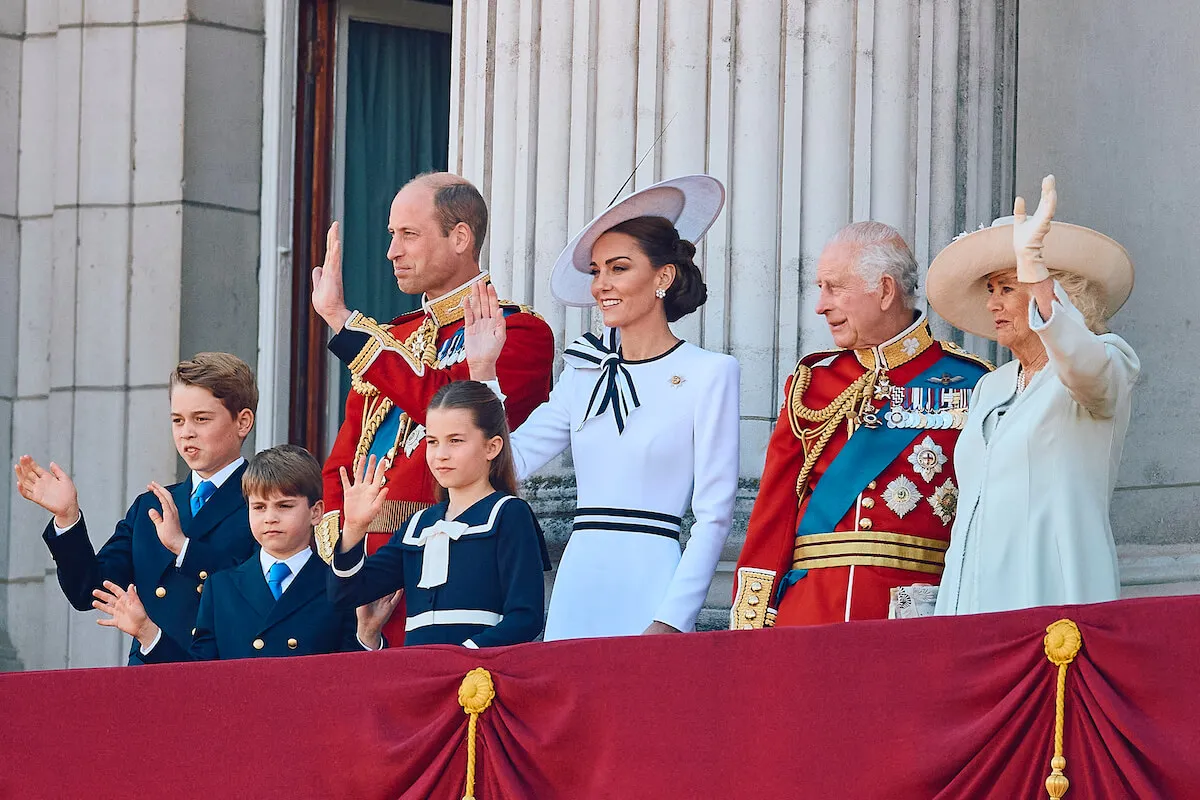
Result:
[{"x": 882, "y": 251}]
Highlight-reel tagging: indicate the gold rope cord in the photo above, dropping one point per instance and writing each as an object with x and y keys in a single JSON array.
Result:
[
  {"x": 1062, "y": 643},
  {"x": 845, "y": 407},
  {"x": 423, "y": 342},
  {"x": 373, "y": 417},
  {"x": 474, "y": 695}
]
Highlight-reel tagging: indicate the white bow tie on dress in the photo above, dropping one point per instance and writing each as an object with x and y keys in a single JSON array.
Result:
[
  {"x": 435, "y": 561},
  {"x": 614, "y": 385}
]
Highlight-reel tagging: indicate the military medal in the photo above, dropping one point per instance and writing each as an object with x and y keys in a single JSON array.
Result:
[
  {"x": 901, "y": 496},
  {"x": 927, "y": 458},
  {"x": 945, "y": 501}
]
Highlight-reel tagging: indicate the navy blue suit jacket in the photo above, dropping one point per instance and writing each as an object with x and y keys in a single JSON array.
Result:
[
  {"x": 237, "y": 611},
  {"x": 497, "y": 568},
  {"x": 218, "y": 538}
]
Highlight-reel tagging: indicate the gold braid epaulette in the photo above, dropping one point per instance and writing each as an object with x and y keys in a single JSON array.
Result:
[
  {"x": 957, "y": 350},
  {"x": 843, "y": 408},
  {"x": 524, "y": 309}
]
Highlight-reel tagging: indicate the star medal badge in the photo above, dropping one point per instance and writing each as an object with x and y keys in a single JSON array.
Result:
[
  {"x": 945, "y": 501},
  {"x": 901, "y": 496},
  {"x": 927, "y": 458}
]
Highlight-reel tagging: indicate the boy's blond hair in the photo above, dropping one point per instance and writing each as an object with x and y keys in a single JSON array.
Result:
[
  {"x": 225, "y": 375},
  {"x": 286, "y": 470}
]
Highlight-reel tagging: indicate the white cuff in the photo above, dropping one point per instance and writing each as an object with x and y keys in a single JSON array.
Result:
[
  {"x": 364, "y": 645},
  {"x": 182, "y": 553},
  {"x": 146, "y": 650},
  {"x": 60, "y": 531},
  {"x": 346, "y": 573},
  {"x": 494, "y": 385},
  {"x": 470, "y": 645}
]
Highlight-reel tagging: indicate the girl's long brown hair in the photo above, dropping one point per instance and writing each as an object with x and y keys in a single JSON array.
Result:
[{"x": 487, "y": 412}]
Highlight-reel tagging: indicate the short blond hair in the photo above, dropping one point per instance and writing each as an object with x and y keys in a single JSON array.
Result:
[
  {"x": 225, "y": 375},
  {"x": 286, "y": 470}
]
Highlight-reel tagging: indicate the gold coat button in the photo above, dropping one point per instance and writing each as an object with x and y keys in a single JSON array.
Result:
[
  {"x": 752, "y": 600},
  {"x": 750, "y": 613},
  {"x": 161, "y": 592},
  {"x": 871, "y": 485},
  {"x": 293, "y": 644},
  {"x": 868, "y": 502},
  {"x": 203, "y": 575},
  {"x": 865, "y": 524},
  {"x": 199, "y": 588},
  {"x": 258, "y": 644},
  {"x": 756, "y": 587},
  {"x": 193, "y": 631}
]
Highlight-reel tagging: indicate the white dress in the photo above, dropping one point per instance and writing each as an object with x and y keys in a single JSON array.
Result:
[
  {"x": 623, "y": 568},
  {"x": 1036, "y": 472}
]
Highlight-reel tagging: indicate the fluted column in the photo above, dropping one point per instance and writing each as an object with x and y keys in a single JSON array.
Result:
[{"x": 814, "y": 113}]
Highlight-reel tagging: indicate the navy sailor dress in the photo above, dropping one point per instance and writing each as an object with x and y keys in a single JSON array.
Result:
[{"x": 474, "y": 581}]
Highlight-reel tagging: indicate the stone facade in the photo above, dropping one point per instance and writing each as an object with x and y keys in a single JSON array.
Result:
[
  {"x": 129, "y": 178},
  {"x": 132, "y": 174}
]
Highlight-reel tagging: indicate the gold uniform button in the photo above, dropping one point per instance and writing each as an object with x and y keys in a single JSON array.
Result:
[
  {"x": 865, "y": 524},
  {"x": 258, "y": 644},
  {"x": 868, "y": 502},
  {"x": 203, "y": 575},
  {"x": 293, "y": 644},
  {"x": 199, "y": 588},
  {"x": 193, "y": 631},
  {"x": 756, "y": 587},
  {"x": 161, "y": 592},
  {"x": 752, "y": 600},
  {"x": 750, "y": 613},
  {"x": 872, "y": 485}
]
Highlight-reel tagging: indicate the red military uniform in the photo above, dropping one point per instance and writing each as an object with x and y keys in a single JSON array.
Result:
[
  {"x": 883, "y": 520},
  {"x": 396, "y": 370}
]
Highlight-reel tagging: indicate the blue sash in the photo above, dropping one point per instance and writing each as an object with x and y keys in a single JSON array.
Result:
[
  {"x": 866, "y": 454},
  {"x": 385, "y": 435}
]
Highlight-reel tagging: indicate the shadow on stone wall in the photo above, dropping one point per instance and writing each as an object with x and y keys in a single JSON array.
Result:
[{"x": 8, "y": 655}]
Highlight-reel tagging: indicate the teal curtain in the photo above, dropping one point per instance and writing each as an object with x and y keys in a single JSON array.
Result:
[{"x": 397, "y": 126}]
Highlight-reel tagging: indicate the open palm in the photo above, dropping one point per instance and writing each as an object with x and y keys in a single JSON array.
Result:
[
  {"x": 52, "y": 489},
  {"x": 484, "y": 331}
]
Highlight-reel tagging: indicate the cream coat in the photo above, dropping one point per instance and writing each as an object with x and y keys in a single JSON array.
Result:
[{"x": 1033, "y": 525}]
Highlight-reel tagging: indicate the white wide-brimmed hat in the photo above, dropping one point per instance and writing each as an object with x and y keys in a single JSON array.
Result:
[
  {"x": 690, "y": 202},
  {"x": 957, "y": 281}
]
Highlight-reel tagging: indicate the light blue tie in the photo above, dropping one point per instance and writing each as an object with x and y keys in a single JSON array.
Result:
[
  {"x": 275, "y": 576},
  {"x": 204, "y": 490}
]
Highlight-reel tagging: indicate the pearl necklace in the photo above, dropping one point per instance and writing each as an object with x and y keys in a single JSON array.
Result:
[{"x": 1023, "y": 375}]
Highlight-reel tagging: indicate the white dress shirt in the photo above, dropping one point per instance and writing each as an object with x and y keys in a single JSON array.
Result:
[{"x": 295, "y": 564}]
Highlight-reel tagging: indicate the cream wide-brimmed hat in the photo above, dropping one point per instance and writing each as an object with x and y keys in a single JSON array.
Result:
[
  {"x": 691, "y": 203},
  {"x": 956, "y": 284}
]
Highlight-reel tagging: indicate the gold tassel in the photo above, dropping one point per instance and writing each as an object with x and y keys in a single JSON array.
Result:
[
  {"x": 1062, "y": 643},
  {"x": 475, "y": 695}
]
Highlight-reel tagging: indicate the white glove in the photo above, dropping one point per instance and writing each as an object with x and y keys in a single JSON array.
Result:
[{"x": 1029, "y": 233}]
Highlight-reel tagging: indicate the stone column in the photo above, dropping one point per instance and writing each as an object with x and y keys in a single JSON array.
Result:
[
  {"x": 137, "y": 185},
  {"x": 813, "y": 112}
]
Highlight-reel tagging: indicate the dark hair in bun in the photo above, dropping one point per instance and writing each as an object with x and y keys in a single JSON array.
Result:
[{"x": 660, "y": 243}]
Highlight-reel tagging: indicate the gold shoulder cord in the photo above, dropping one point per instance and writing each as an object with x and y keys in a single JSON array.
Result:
[
  {"x": 373, "y": 416},
  {"x": 845, "y": 407},
  {"x": 422, "y": 342}
]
